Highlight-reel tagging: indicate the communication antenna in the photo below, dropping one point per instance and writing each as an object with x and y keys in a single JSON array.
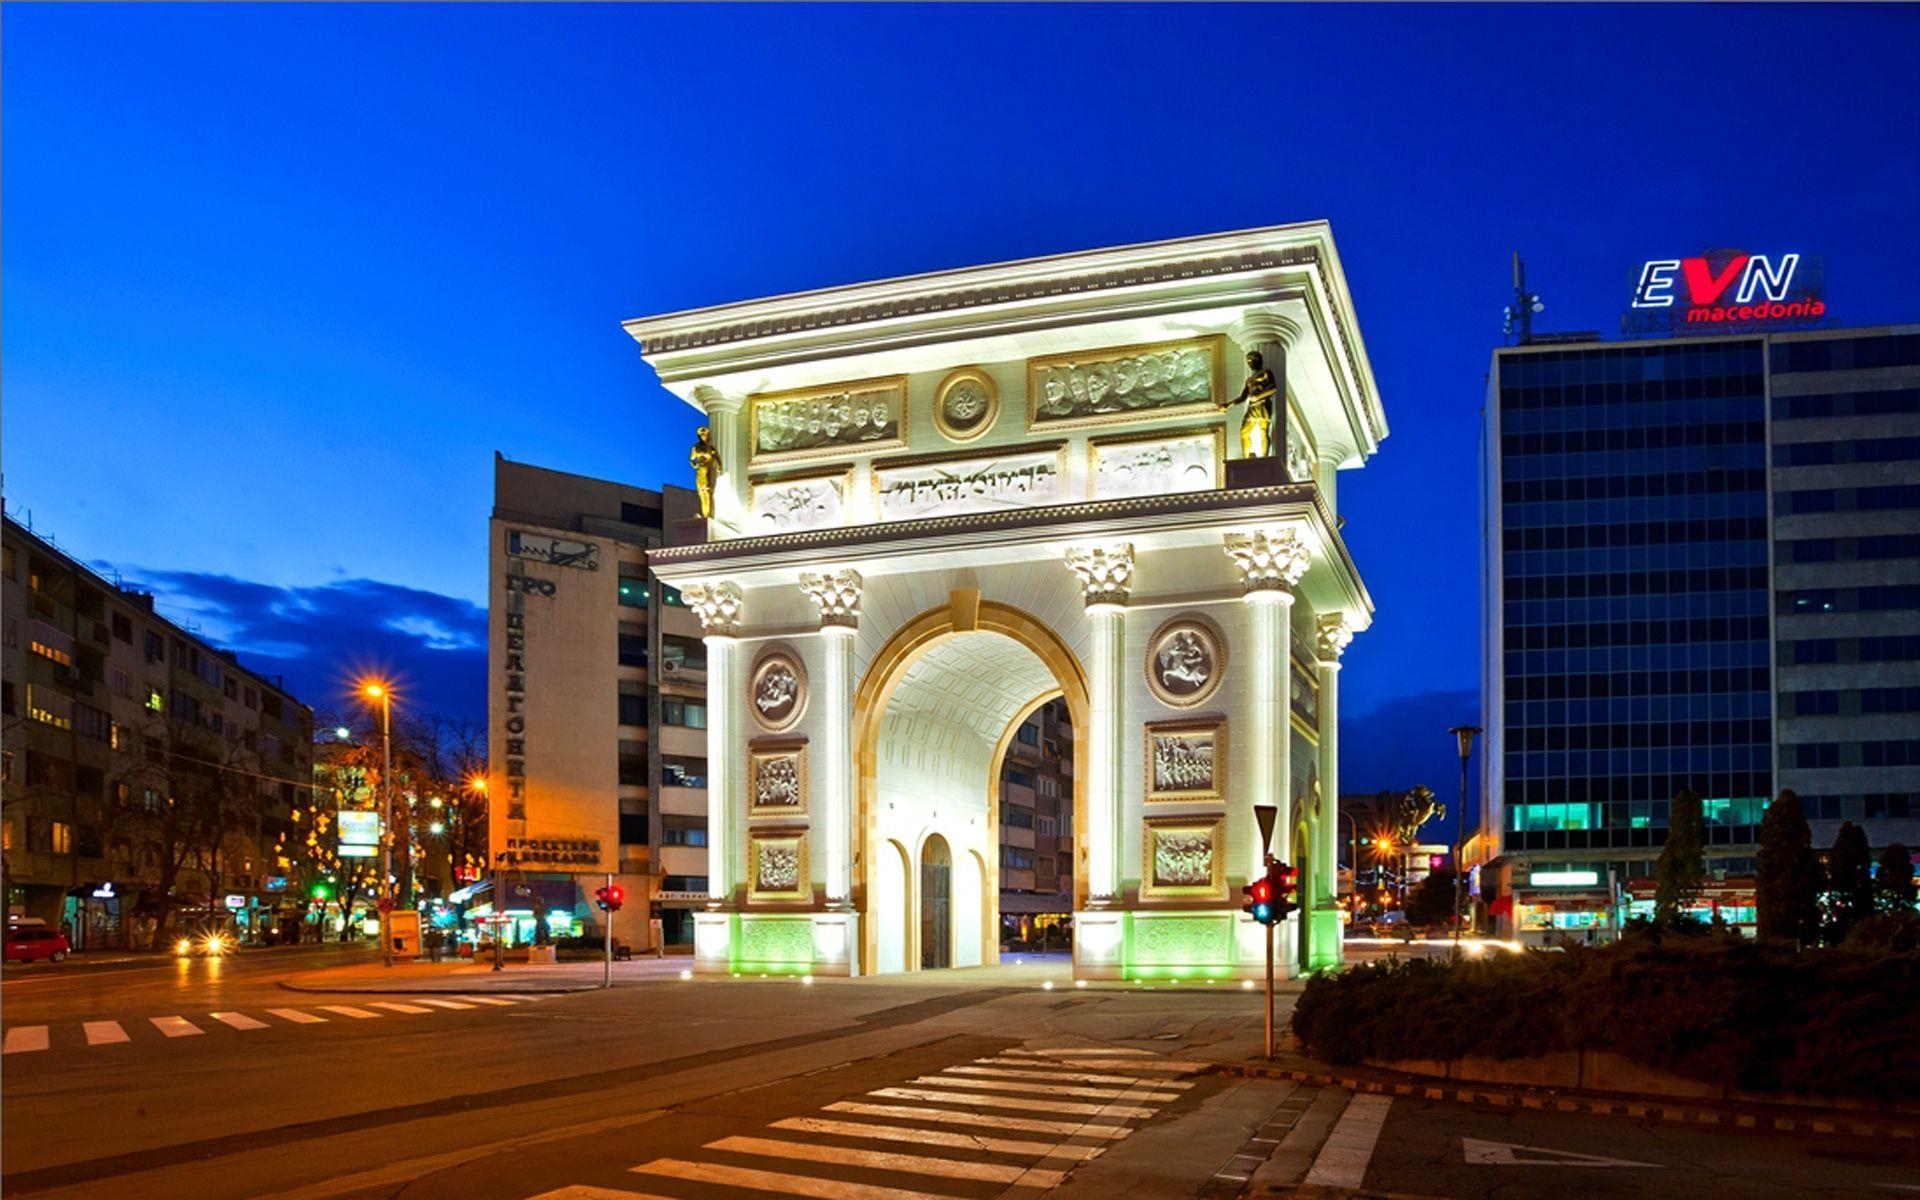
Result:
[{"x": 1525, "y": 304}]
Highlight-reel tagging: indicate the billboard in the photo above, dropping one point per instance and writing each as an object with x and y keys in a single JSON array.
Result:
[
  {"x": 359, "y": 834},
  {"x": 1725, "y": 291}
]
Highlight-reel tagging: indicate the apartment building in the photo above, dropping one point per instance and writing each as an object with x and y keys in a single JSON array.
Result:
[{"x": 1036, "y": 830}]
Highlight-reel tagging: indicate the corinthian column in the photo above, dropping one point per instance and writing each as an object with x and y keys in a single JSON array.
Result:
[
  {"x": 838, "y": 598},
  {"x": 718, "y": 607},
  {"x": 1271, "y": 563},
  {"x": 725, "y": 418},
  {"x": 1105, "y": 573},
  {"x": 1335, "y": 636}
]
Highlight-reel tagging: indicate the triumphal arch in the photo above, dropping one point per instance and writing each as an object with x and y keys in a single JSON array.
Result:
[{"x": 939, "y": 502}]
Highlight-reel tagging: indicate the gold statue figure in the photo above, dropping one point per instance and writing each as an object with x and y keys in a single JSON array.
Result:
[
  {"x": 705, "y": 458},
  {"x": 1256, "y": 427}
]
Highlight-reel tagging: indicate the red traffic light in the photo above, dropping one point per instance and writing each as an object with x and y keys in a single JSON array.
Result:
[{"x": 610, "y": 897}]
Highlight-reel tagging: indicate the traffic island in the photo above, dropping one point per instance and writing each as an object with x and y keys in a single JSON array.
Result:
[{"x": 453, "y": 978}]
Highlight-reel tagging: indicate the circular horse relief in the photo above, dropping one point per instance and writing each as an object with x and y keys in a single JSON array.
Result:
[
  {"x": 779, "y": 691},
  {"x": 965, "y": 404},
  {"x": 1185, "y": 660}
]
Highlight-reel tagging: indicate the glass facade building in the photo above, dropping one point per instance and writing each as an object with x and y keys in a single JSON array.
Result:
[{"x": 1702, "y": 571}]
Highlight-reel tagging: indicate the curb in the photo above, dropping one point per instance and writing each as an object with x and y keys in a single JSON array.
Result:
[
  {"x": 479, "y": 989},
  {"x": 1605, "y": 1106}
]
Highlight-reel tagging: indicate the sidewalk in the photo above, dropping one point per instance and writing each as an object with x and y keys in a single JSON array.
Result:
[{"x": 454, "y": 976}]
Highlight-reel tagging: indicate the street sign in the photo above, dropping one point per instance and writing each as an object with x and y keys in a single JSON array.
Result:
[{"x": 1265, "y": 814}]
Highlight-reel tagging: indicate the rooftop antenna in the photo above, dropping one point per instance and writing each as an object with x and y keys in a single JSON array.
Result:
[{"x": 1525, "y": 304}]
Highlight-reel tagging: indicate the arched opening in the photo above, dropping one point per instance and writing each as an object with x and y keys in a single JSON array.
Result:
[
  {"x": 936, "y": 904},
  {"x": 932, "y": 720}
]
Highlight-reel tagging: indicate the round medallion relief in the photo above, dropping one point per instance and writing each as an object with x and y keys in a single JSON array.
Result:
[
  {"x": 965, "y": 404},
  {"x": 779, "y": 690},
  {"x": 1185, "y": 660}
]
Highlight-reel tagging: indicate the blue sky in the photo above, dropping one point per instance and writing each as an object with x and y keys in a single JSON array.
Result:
[{"x": 279, "y": 280}]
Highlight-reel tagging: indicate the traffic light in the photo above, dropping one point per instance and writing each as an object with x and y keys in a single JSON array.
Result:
[
  {"x": 1285, "y": 883},
  {"x": 610, "y": 897},
  {"x": 1257, "y": 899}
]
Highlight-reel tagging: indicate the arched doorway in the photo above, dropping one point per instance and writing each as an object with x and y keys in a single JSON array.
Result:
[
  {"x": 932, "y": 718},
  {"x": 936, "y": 904}
]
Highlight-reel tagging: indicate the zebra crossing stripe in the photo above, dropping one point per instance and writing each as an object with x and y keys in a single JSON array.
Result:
[
  {"x": 1063, "y": 1076},
  {"x": 1107, "y": 1064},
  {"x": 935, "y": 1137},
  {"x": 175, "y": 1027},
  {"x": 585, "y": 1191},
  {"x": 777, "y": 1181},
  {"x": 874, "y": 1160},
  {"x": 445, "y": 1003},
  {"x": 1069, "y": 1051},
  {"x": 484, "y": 999},
  {"x": 105, "y": 1033},
  {"x": 296, "y": 1016},
  {"x": 941, "y": 1116},
  {"x": 1019, "y": 1104},
  {"x": 1042, "y": 1089},
  {"x": 238, "y": 1020},
  {"x": 22, "y": 1039},
  {"x": 399, "y": 1008},
  {"x": 348, "y": 1010}
]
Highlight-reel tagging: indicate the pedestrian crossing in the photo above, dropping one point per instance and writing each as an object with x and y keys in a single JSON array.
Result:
[
  {"x": 28, "y": 1039},
  {"x": 971, "y": 1130}
]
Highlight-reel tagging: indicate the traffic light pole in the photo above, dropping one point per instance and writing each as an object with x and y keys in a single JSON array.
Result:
[
  {"x": 1269, "y": 940},
  {"x": 606, "y": 977}
]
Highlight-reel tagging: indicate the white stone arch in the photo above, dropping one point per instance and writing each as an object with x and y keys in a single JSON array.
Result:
[{"x": 893, "y": 910}]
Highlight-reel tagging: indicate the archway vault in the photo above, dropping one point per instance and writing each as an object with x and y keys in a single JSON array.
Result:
[{"x": 936, "y": 673}]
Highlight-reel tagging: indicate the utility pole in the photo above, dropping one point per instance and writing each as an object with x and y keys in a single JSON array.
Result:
[
  {"x": 1264, "y": 814},
  {"x": 606, "y": 975},
  {"x": 1466, "y": 734},
  {"x": 384, "y": 694}
]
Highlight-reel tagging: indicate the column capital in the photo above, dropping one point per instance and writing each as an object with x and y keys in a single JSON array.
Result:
[
  {"x": 836, "y": 595},
  {"x": 1105, "y": 571},
  {"x": 1336, "y": 634},
  {"x": 715, "y": 402},
  {"x": 1261, "y": 325},
  {"x": 717, "y": 605},
  {"x": 1270, "y": 560}
]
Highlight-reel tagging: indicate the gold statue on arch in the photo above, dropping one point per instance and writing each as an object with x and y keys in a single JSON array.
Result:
[{"x": 705, "y": 458}]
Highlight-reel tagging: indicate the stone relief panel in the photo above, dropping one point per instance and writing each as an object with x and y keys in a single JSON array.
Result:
[
  {"x": 811, "y": 422},
  {"x": 1186, "y": 760},
  {"x": 1097, "y": 387},
  {"x": 777, "y": 867},
  {"x": 790, "y": 505},
  {"x": 777, "y": 779},
  {"x": 1160, "y": 466},
  {"x": 1186, "y": 658},
  {"x": 1300, "y": 460},
  {"x": 1025, "y": 479},
  {"x": 966, "y": 404},
  {"x": 1185, "y": 858},
  {"x": 778, "y": 690}
]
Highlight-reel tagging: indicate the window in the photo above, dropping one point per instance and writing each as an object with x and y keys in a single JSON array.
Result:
[
  {"x": 640, "y": 514},
  {"x": 61, "y": 837},
  {"x": 690, "y": 714},
  {"x": 156, "y": 701},
  {"x": 120, "y": 683},
  {"x": 50, "y": 643},
  {"x": 683, "y": 883},
  {"x": 1015, "y": 859},
  {"x": 633, "y": 710},
  {"x": 1029, "y": 734},
  {"x": 633, "y": 585},
  {"x": 1815, "y": 704},
  {"x": 92, "y": 724},
  {"x": 1816, "y": 755},
  {"x": 156, "y": 647},
  {"x": 1015, "y": 816},
  {"x": 633, "y": 770},
  {"x": 683, "y": 831},
  {"x": 1046, "y": 826},
  {"x": 123, "y": 628},
  {"x": 10, "y": 633},
  {"x": 1019, "y": 777},
  {"x": 633, "y": 645},
  {"x": 683, "y": 772},
  {"x": 679, "y": 653},
  {"x": 50, "y": 708},
  {"x": 671, "y": 595},
  {"x": 633, "y": 829}
]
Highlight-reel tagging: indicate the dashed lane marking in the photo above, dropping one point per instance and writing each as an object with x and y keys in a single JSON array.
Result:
[
  {"x": 22, "y": 1039},
  {"x": 105, "y": 1033}
]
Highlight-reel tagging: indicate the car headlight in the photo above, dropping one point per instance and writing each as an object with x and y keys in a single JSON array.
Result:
[{"x": 183, "y": 946}]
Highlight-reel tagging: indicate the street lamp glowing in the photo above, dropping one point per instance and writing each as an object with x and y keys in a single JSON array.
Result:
[
  {"x": 375, "y": 690},
  {"x": 478, "y": 783}
]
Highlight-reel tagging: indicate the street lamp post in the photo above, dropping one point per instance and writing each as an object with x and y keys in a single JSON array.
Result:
[
  {"x": 1466, "y": 734},
  {"x": 380, "y": 692}
]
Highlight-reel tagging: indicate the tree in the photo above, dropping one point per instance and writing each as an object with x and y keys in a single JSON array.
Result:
[
  {"x": 1893, "y": 883},
  {"x": 1786, "y": 896},
  {"x": 1849, "y": 881},
  {"x": 1431, "y": 899},
  {"x": 1682, "y": 869}
]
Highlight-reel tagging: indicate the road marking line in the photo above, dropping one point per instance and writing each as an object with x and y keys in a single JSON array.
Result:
[
  {"x": 1098, "y": 1064},
  {"x": 875, "y": 1160},
  {"x": 934, "y": 1137},
  {"x": 1105, "y": 1051},
  {"x": 1502, "y": 1154},
  {"x": 484, "y": 999},
  {"x": 105, "y": 1033},
  {"x": 24, "y": 1038},
  {"x": 1063, "y": 1076},
  {"x": 348, "y": 1010},
  {"x": 176, "y": 1026},
  {"x": 238, "y": 1020},
  {"x": 446, "y": 1003},
  {"x": 776, "y": 1181},
  {"x": 296, "y": 1016},
  {"x": 584, "y": 1191},
  {"x": 941, "y": 1116},
  {"x": 511, "y": 998},
  {"x": 400, "y": 1008},
  {"x": 974, "y": 1101},
  {"x": 1342, "y": 1162},
  {"x": 1043, "y": 1089}
]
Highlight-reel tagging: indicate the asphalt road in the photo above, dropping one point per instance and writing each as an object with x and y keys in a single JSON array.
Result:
[{"x": 210, "y": 1080}]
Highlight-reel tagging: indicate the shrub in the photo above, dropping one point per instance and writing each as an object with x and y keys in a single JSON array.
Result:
[{"x": 1711, "y": 1007}]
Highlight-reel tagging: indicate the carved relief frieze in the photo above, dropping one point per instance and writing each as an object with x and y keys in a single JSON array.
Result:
[
  {"x": 1098, "y": 387},
  {"x": 1027, "y": 478},
  {"x": 777, "y": 779},
  {"x": 777, "y": 867},
  {"x": 796, "y": 503},
  {"x": 1186, "y": 760},
  {"x": 778, "y": 690},
  {"x": 966, "y": 404},
  {"x": 1159, "y": 465},
  {"x": 1186, "y": 658},
  {"x": 831, "y": 420},
  {"x": 1184, "y": 858}
]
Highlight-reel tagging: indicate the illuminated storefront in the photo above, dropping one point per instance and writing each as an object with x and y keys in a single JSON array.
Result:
[{"x": 942, "y": 501}]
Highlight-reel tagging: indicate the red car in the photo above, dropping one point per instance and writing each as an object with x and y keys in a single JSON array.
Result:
[{"x": 26, "y": 943}]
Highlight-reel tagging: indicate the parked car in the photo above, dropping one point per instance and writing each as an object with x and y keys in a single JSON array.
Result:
[
  {"x": 27, "y": 943},
  {"x": 213, "y": 943}
]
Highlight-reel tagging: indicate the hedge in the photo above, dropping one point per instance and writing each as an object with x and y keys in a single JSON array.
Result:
[{"x": 1752, "y": 1016}]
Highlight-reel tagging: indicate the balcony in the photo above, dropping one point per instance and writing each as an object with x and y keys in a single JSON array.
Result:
[{"x": 691, "y": 674}]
